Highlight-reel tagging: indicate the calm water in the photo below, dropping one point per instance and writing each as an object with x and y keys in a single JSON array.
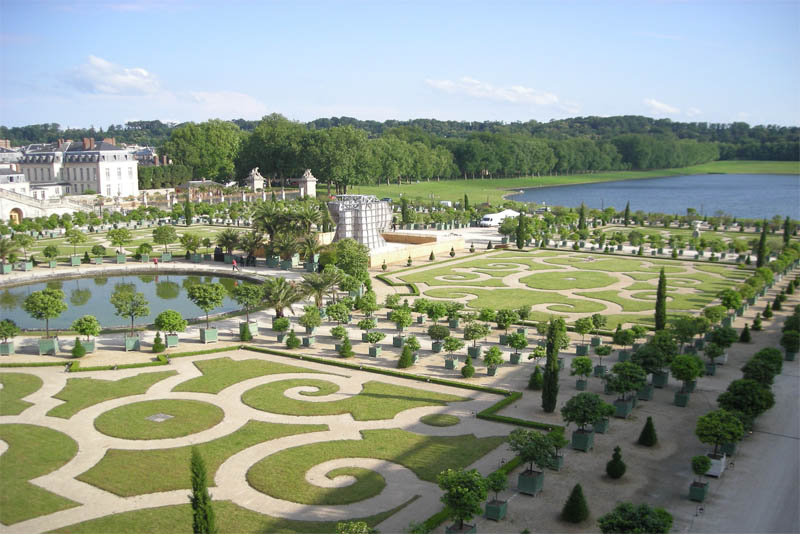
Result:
[
  {"x": 741, "y": 195},
  {"x": 91, "y": 296}
]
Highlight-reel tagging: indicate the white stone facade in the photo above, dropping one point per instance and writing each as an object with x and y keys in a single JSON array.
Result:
[{"x": 361, "y": 217}]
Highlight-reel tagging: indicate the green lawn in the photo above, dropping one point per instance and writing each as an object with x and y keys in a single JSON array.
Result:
[
  {"x": 282, "y": 475},
  {"x": 230, "y": 518},
  {"x": 593, "y": 262},
  {"x": 378, "y": 400},
  {"x": 130, "y": 420},
  {"x": 220, "y": 373},
  {"x": 33, "y": 451},
  {"x": 440, "y": 419},
  {"x": 15, "y": 386},
  {"x": 136, "y": 472},
  {"x": 569, "y": 280},
  {"x": 514, "y": 298},
  {"x": 80, "y": 393}
]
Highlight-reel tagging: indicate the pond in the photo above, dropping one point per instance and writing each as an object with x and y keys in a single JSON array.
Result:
[
  {"x": 750, "y": 196},
  {"x": 91, "y": 296}
]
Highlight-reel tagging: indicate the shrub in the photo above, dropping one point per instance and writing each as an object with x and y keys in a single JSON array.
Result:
[
  {"x": 292, "y": 341},
  {"x": 497, "y": 482},
  {"x": 245, "y": 334},
  {"x": 468, "y": 371},
  {"x": 438, "y": 332},
  {"x": 700, "y": 465},
  {"x": 772, "y": 356},
  {"x": 744, "y": 337},
  {"x": 431, "y": 257},
  {"x": 629, "y": 518},
  {"x": 615, "y": 468},
  {"x": 776, "y": 304},
  {"x": 452, "y": 252},
  {"x": 648, "y": 436},
  {"x": 767, "y": 312},
  {"x": 406, "y": 358},
  {"x": 338, "y": 332},
  {"x": 158, "y": 344},
  {"x": 757, "y": 323},
  {"x": 535, "y": 381},
  {"x": 78, "y": 351},
  {"x": 280, "y": 324},
  {"x": 747, "y": 396},
  {"x": 575, "y": 509},
  {"x": 346, "y": 350}
]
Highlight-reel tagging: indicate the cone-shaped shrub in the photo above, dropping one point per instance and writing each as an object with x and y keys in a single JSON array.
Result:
[
  {"x": 292, "y": 341},
  {"x": 245, "y": 334},
  {"x": 468, "y": 370},
  {"x": 431, "y": 257},
  {"x": 757, "y": 323},
  {"x": 406, "y": 358},
  {"x": 158, "y": 343},
  {"x": 535, "y": 381},
  {"x": 648, "y": 436},
  {"x": 776, "y": 304},
  {"x": 744, "y": 337},
  {"x": 615, "y": 468},
  {"x": 78, "y": 351},
  {"x": 575, "y": 509},
  {"x": 346, "y": 350},
  {"x": 767, "y": 311}
]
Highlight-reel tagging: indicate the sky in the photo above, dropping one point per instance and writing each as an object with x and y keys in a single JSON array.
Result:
[{"x": 84, "y": 63}]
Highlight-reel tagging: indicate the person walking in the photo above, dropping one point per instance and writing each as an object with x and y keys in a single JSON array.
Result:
[{"x": 234, "y": 265}]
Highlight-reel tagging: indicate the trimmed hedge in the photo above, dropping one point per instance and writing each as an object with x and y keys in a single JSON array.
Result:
[
  {"x": 161, "y": 359},
  {"x": 35, "y": 364}
]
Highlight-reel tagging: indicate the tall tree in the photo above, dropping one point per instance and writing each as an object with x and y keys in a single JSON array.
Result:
[
  {"x": 787, "y": 230},
  {"x": 208, "y": 148},
  {"x": 582, "y": 217},
  {"x": 761, "y": 253},
  {"x": 661, "y": 302},
  {"x": 556, "y": 331},
  {"x": 202, "y": 512},
  {"x": 627, "y": 213},
  {"x": 521, "y": 231}
]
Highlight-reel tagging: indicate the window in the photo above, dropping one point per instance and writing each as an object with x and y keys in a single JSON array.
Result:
[
  {"x": 108, "y": 173},
  {"x": 108, "y": 190},
  {"x": 130, "y": 172},
  {"x": 119, "y": 172},
  {"x": 48, "y": 173},
  {"x": 81, "y": 188}
]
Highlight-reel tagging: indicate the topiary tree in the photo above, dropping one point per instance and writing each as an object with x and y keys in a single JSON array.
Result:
[
  {"x": 451, "y": 346},
  {"x": 648, "y": 436},
  {"x": 158, "y": 343},
  {"x": 475, "y": 331},
  {"x": 687, "y": 368},
  {"x": 533, "y": 447},
  {"x": 602, "y": 351},
  {"x": 718, "y": 427},
  {"x": 497, "y": 482},
  {"x": 292, "y": 341},
  {"x": 493, "y": 358},
  {"x": 45, "y": 305},
  {"x": 745, "y": 337},
  {"x": 281, "y": 324},
  {"x": 464, "y": 491},
  {"x": 575, "y": 509},
  {"x": 401, "y": 318},
  {"x": 518, "y": 342},
  {"x": 583, "y": 409},
  {"x": 50, "y": 252},
  {"x": 583, "y": 326},
  {"x": 700, "y": 466},
  {"x": 581, "y": 366},
  {"x": 248, "y": 296},
  {"x": 119, "y": 237},
  {"x": 790, "y": 341},
  {"x": 311, "y": 318},
  {"x": 438, "y": 332},
  {"x": 759, "y": 370},
  {"x": 435, "y": 311},
  {"x": 164, "y": 235},
  {"x": 202, "y": 512},
  {"x": 535, "y": 380},
  {"x": 626, "y": 377},
  {"x": 713, "y": 351},
  {"x": 207, "y": 297},
  {"x": 748, "y": 397},
  {"x": 9, "y": 329},
  {"x": 626, "y": 517},
  {"x": 78, "y": 350},
  {"x": 724, "y": 336},
  {"x": 413, "y": 344},
  {"x": 170, "y": 321},
  {"x": 406, "y": 358},
  {"x": 346, "y": 350},
  {"x": 623, "y": 338},
  {"x": 88, "y": 325},
  {"x": 615, "y": 468},
  {"x": 505, "y": 318},
  {"x": 468, "y": 371}
]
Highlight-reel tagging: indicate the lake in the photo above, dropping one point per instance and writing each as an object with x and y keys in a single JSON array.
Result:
[
  {"x": 91, "y": 296},
  {"x": 749, "y": 196}
]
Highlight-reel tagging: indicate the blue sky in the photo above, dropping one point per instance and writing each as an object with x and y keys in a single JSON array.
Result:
[{"x": 87, "y": 62}]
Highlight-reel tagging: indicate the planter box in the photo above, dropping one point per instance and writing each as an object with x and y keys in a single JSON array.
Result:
[
  {"x": 6, "y": 268},
  {"x": 436, "y": 346},
  {"x": 227, "y": 258},
  {"x": 722, "y": 360},
  {"x": 717, "y": 465},
  {"x": 583, "y": 440},
  {"x": 208, "y": 257},
  {"x": 48, "y": 346},
  {"x": 171, "y": 340},
  {"x": 208, "y": 335},
  {"x": 398, "y": 341},
  {"x": 364, "y": 337},
  {"x": 789, "y": 356},
  {"x": 280, "y": 337},
  {"x": 420, "y": 319},
  {"x": 601, "y": 427},
  {"x": 689, "y": 386},
  {"x": 449, "y": 364},
  {"x": 504, "y": 339},
  {"x": 132, "y": 343},
  {"x": 623, "y": 356},
  {"x": 52, "y": 263},
  {"x": 253, "y": 328},
  {"x": 90, "y": 346},
  {"x": 728, "y": 449},
  {"x": 310, "y": 331},
  {"x": 74, "y": 261},
  {"x": 286, "y": 265},
  {"x": 515, "y": 356},
  {"x": 273, "y": 262},
  {"x": 681, "y": 399},
  {"x": 556, "y": 462},
  {"x": 310, "y": 266},
  {"x": 624, "y": 408},
  {"x": 7, "y": 349},
  {"x": 120, "y": 259},
  {"x": 582, "y": 350},
  {"x": 523, "y": 331},
  {"x": 599, "y": 370},
  {"x": 26, "y": 266},
  {"x": 496, "y": 510},
  {"x": 166, "y": 257},
  {"x": 97, "y": 261},
  {"x": 308, "y": 341},
  {"x": 660, "y": 379},
  {"x": 698, "y": 491},
  {"x": 607, "y": 389},
  {"x": 375, "y": 351},
  {"x": 491, "y": 371},
  {"x": 699, "y": 343},
  {"x": 453, "y": 323},
  {"x": 596, "y": 341},
  {"x": 580, "y": 384},
  {"x": 646, "y": 393},
  {"x": 467, "y": 529},
  {"x": 196, "y": 258},
  {"x": 530, "y": 482},
  {"x": 474, "y": 352},
  {"x": 144, "y": 258}
]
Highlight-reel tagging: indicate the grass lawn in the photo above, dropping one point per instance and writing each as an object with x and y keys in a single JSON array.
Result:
[
  {"x": 614, "y": 265},
  {"x": 80, "y": 393},
  {"x": 509, "y": 297},
  {"x": 230, "y": 518},
  {"x": 15, "y": 387},
  {"x": 440, "y": 419},
  {"x": 282, "y": 475},
  {"x": 377, "y": 400},
  {"x": 33, "y": 451},
  {"x": 130, "y": 420},
  {"x": 220, "y": 373},
  {"x": 136, "y": 472},
  {"x": 569, "y": 280}
]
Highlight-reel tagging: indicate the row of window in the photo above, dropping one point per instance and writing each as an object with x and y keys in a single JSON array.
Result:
[{"x": 39, "y": 174}]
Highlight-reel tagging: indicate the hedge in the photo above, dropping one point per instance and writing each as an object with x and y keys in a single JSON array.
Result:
[{"x": 161, "y": 359}]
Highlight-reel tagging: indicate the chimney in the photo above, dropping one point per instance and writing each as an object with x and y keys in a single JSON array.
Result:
[
  {"x": 91, "y": 143},
  {"x": 155, "y": 160},
  {"x": 60, "y": 144},
  {"x": 86, "y": 143},
  {"x": 164, "y": 160},
  {"x": 110, "y": 140}
]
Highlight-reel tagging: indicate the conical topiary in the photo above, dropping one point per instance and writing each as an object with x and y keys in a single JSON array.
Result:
[
  {"x": 346, "y": 350},
  {"x": 767, "y": 311},
  {"x": 431, "y": 257},
  {"x": 648, "y": 436},
  {"x": 489, "y": 246},
  {"x": 158, "y": 343},
  {"x": 535, "y": 381},
  {"x": 744, "y": 337},
  {"x": 790, "y": 288},
  {"x": 615, "y": 468},
  {"x": 575, "y": 509},
  {"x": 472, "y": 247},
  {"x": 406, "y": 358},
  {"x": 244, "y": 333},
  {"x": 452, "y": 252},
  {"x": 292, "y": 341},
  {"x": 776, "y": 304},
  {"x": 757, "y": 323},
  {"x": 78, "y": 350},
  {"x": 468, "y": 371}
]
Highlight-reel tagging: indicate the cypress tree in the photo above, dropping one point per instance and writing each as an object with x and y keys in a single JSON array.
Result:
[
  {"x": 761, "y": 260},
  {"x": 575, "y": 509},
  {"x": 466, "y": 202},
  {"x": 768, "y": 311},
  {"x": 787, "y": 230},
  {"x": 661, "y": 302},
  {"x": 627, "y": 213},
  {"x": 202, "y": 512},
  {"x": 745, "y": 335},
  {"x": 406, "y": 358},
  {"x": 520, "y": 231},
  {"x": 648, "y": 436},
  {"x": 615, "y": 468},
  {"x": 346, "y": 350},
  {"x": 555, "y": 332},
  {"x": 582, "y": 217}
]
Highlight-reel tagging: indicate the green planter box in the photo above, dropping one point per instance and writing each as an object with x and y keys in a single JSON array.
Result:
[
  {"x": 7, "y": 349},
  {"x": 523, "y": 331},
  {"x": 728, "y": 449},
  {"x": 607, "y": 389},
  {"x": 624, "y": 408},
  {"x": 436, "y": 346},
  {"x": 690, "y": 386},
  {"x": 74, "y": 261},
  {"x": 364, "y": 337},
  {"x": 623, "y": 356},
  {"x": 504, "y": 339},
  {"x": 646, "y": 393},
  {"x": 681, "y": 399},
  {"x": 90, "y": 346},
  {"x": 375, "y": 351},
  {"x": 581, "y": 384},
  {"x": 48, "y": 346},
  {"x": 52, "y": 263},
  {"x": 660, "y": 379},
  {"x": 583, "y": 440},
  {"x": 308, "y": 341},
  {"x": 474, "y": 352},
  {"x": 286, "y": 265},
  {"x": 166, "y": 257},
  {"x": 26, "y": 266},
  {"x": 420, "y": 319},
  {"x": 556, "y": 462},
  {"x": 207, "y": 257},
  {"x": 698, "y": 491},
  {"x": 515, "y": 356},
  {"x": 398, "y": 341},
  {"x": 530, "y": 482},
  {"x": 453, "y": 323},
  {"x": 467, "y": 529},
  {"x": 171, "y": 340},
  {"x": 711, "y": 369},
  {"x": 121, "y": 258},
  {"x": 310, "y": 266},
  {"x": 596, "y": 340},
  {"x": 491, "y": 371},
  {"x": 253, "y": 325},
  {"x": 208, "y": 335},
  {"x": 281, "y": 336},
  {"x": 601, "y": 427},
  {"x": 228, "y": 258},
  {"x": 132, "y": 343},
  {"x": 144, "y": 258},
  {"x": 97, "y": 261},
  {"x": 196, "y": 258},
  {"x": 449, "y": 364},
  {"x": 6, "y": 268},
  {"x": 789, "y": 356},
  {"x": 599, "y": 370},
  {"x": 582, "y": 350},
  {"x": 310, "y": 331}
]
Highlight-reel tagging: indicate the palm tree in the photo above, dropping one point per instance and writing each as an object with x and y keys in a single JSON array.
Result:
[
  {"x": 280, "y": 294},
  {"x": 307, "y": 214},
  {"x": 270, "y": 217},
  {"x": 310, "y": 246},
  {"x": 228, "y": 239},
  {"x": 251, "y": 242},
  {"x": 285, "y": 244},
  {"x": 8, "y": 249},
  {"x": 317, "y": 285}
]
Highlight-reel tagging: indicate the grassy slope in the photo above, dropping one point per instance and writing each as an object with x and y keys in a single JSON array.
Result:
[
  {"x": 493, "y": 190},
  {"x": 15, "y": 387}
]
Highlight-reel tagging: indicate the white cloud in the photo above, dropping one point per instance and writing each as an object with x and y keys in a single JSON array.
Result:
[
  {"x": 514, "y": 94},
  {"x": 660, "y": 108},
  {"x": 693, "y": 112},
  {"x": 100, "y": 76}
]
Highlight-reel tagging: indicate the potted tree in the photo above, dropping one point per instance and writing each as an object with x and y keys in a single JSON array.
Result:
[
  {"x": 790, "y": 341},
  {"x": 581, "y": 367},
  {"x": 473, "y": 332},
  {"x": 8, "y": 252},
  {"x": 493, "y": 359},
  {"x": 438, "y": 333},
  {"x": 165, "y": 235},
  {"x": 310, "y": 320},
  {"x": 716, "y": 428},
  {"x": 435, "y": 311},
  {"x": 464, "y": 491},
  {"x": 451, "y": 346},
  {"x": 535, "y": 449},
  {"x": 143, "y": 252},
  {"x": 88, "y": 325},
  {"x": 373, "y": 338},
  {"x": 583, "y": 409},
  {"x": 401, "y": 317},
  {"x": 623, "y": 338},
  {"x": 119, "y": 237},
  {"x": 625, "y": 378},
  {"x": 413, "y": 345},
  {"x": 207, "y": 297},
  {"x": 496, "y": 509},
  {"x": 517, "y": 341},
  {"x": 191, "y": 243},
  {"x": 504, "y": 319},
  {"x": 8, "y": 329},
  {"x": 651, "y": 360},
  {"x": 686, "y": 368},
  {"x": 51, "y": 252},
  {"x": 583, "y": 326},
  {"x": 338, "y": 333},
  {"x": 601, "y": 351},
  {"x": 639, "y": 332},
  {"x": 280, "y": 325},
  {"x": 170, "y": 322},
  {"x": 23, "y": 241},
  {"x": 420, "y": 307},
  {"x": 601, "y": 425},
  {"x": 453, "y": 313},
  {"x": 724, "y": 336},
  {"x": 556, "y": 437},
  {"x": 598, "y": 322},
  {"x": 130, "y": 305},
  {"x": 249, "y": 297},
  {"x": 698, "y": 489},
  {"x": 712, "y": 351},
  {"x": 366, "y": 325},
  {"x": 45, "y": 305},
  {"x": 98, "y": 251}
]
